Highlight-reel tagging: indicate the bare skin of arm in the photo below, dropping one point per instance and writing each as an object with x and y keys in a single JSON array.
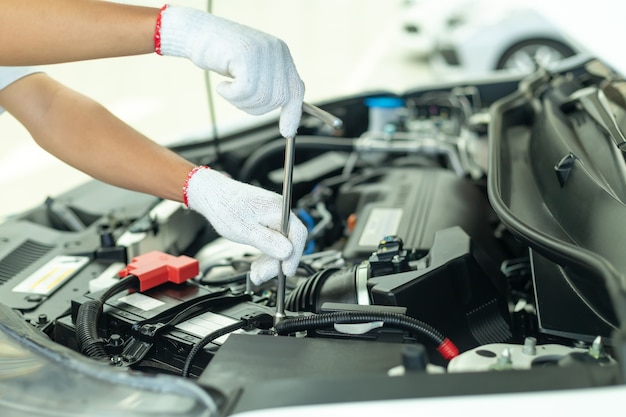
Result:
[
  {"x": 73, "y": 30},
  {"x": 85, "y": 135}
]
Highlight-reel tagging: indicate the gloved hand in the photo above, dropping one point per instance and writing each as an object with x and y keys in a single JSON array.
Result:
[
  {"x": 247, "y": 214},
  {"x": 264, "y": 75}
]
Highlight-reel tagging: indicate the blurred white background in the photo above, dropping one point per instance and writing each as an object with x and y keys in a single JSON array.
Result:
[{"x": 340, "y": 47}]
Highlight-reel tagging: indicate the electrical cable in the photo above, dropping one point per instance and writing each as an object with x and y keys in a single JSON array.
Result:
[
  {"x": 88, "y": 315},
  {"x": 233, "y": 279},
  {"x": 223, "y": 281},
  {"x": 208, "y": 339},
  {"x": 416, "y": 327},
  {"x": 249, "y": 321}
]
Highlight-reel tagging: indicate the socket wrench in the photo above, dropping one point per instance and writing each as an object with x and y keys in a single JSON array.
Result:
[{"x": 290, "y": 148}]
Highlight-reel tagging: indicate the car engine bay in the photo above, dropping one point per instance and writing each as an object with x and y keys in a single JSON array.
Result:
[{"x": 464, "y": 239}]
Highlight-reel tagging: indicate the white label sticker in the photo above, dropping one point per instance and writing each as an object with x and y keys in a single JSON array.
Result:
[
  {"x": 52, "y": 275},
  {"x": 141, "y": 301},
  {"x": 207, "y": 323},
  {"x": 381, "y": 222}
]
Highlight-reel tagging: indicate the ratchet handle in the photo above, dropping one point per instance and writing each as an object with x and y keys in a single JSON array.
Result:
[
  {"x": 323, "y": 115},
  {"x": 286, "y": 213},
  {"x": 290, "y": 146}
]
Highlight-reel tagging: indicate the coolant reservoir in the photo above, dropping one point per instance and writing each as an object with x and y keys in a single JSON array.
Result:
[{"x": 383, "y": 111}]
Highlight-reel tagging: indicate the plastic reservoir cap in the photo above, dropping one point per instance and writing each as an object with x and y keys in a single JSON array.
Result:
[{"x": 384, "y": 102}]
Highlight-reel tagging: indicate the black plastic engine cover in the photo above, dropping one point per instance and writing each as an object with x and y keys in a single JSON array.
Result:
[
  {"x": 461, "y": 292},
  {"x": 412, "y": 203}
]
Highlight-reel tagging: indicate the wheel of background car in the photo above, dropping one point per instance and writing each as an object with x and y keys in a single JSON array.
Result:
[{"x": 528, "y": 55}]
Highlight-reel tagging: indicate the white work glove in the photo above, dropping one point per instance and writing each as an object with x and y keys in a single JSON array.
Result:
[
  {"x": 247, "y": 214},
  {"x": 264, "y": 75}
]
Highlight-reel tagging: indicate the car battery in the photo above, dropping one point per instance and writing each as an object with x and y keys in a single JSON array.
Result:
[{"x": 158, "y": 328}]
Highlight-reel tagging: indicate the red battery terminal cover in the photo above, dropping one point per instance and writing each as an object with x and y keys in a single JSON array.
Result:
[{"x": 156, "y": 268}]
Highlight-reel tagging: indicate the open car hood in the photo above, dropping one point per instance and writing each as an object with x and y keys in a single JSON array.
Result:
[{"x": 464, "y": 251}]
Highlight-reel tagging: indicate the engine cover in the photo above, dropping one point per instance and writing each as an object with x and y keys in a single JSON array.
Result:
[{"x": 412, "y": 203}]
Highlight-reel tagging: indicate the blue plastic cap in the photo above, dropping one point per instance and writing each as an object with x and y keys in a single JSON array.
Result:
[{"x": 384, "y": 102}]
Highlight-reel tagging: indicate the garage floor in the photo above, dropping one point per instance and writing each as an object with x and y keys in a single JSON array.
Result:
[{"x": 339, "y": 47}]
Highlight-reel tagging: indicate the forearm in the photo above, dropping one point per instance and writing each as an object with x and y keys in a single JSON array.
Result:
[
  {"x": 71, "y": 30},
  {"x": 85, "y": 135}
]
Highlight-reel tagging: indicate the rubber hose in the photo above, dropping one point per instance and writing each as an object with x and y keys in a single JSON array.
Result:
[{"x": 303, "y": 142}]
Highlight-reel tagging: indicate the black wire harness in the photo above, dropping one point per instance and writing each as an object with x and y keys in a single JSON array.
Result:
[
  {"x": 416, "y": 327},
  {"x": 248, "y": 322},
  {"x": 88, "y": 315}
]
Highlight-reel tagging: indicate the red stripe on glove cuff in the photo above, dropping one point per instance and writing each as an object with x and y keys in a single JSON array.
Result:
[
  {"x": 186, "y": 185},
  {"x": 157, "y": 31}
]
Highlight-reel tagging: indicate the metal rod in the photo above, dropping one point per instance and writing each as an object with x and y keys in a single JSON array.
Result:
[
  {"x": 286, "y": 213},
  {"x": 323, "y": 115}
]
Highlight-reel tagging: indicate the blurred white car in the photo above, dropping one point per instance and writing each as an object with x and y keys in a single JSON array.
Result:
[
  {"x": 422, "y": 22},
  {"x": 484, "y": 36}
]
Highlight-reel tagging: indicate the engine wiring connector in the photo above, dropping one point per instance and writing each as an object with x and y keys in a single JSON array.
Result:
[{"x": 156, "y": 268}]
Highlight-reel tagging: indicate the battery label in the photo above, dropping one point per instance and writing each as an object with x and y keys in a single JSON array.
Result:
[
  {"x": 52, "y": 275},
  {"x": 207, "y": 323},
  {"x": 141, "y": 301}
]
